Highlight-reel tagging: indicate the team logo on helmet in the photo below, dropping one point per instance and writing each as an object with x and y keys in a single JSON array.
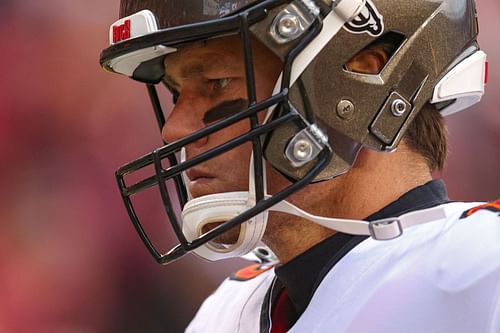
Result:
[{"x": 369, "y": 21}]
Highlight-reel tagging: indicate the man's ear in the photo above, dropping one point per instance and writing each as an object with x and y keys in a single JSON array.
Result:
[{"x": 370, "y": 60}]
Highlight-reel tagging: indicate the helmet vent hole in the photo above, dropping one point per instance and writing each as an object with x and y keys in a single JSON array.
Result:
[{"x": 373, "y": 58}]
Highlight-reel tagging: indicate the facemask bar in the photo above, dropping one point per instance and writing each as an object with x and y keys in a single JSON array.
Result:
[
  {"x": 160, "y": 119},
  {"x": 288, "y": 114},
  {"x": 252, "y": 98}
]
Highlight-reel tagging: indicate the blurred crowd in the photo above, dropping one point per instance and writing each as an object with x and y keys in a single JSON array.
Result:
[{"x": 70, "y": 261}]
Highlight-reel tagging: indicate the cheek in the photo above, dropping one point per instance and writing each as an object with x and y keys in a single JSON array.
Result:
[
  {"x": 275, "y": 181},
  {"x": 266, "y": 76},
  {"x": 265, "y": 90},
  {"x": 308, "y": 198},
  {"x": 227, "y": 134},
  {"x": 232, "y": 168},
  {"x": 232, "y": 165}
]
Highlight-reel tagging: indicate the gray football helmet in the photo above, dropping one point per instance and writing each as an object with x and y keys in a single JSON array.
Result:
[{"x": 320, "y": 114}]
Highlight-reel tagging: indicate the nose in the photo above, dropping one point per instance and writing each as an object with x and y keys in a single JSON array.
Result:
[{"x": 185, "y": 118}]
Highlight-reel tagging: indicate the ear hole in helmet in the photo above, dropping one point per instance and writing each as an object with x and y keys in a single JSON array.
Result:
[{"x": 373, "y": 58}]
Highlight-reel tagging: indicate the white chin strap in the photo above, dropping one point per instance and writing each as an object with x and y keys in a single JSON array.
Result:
[
  {"x": 185, "y": 178},
  {"x": 221, "y": 207},
  {"x": 384, "y": 229}
]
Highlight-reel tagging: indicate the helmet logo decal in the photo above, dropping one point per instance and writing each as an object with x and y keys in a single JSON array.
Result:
[
  {"x": 219, "y": 8},
  {"x": 368, "y": 21},
  {"x": 121, "y": 32}
]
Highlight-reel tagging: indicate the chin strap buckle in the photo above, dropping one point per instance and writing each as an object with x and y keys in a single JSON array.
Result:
[{"x": 385, "y": 229}]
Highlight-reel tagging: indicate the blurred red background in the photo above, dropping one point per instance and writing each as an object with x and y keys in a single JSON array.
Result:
[{"x": 70, "y": 261}]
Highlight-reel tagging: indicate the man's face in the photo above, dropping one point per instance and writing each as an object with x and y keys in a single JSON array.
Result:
[{"x": 209, "y": 78}]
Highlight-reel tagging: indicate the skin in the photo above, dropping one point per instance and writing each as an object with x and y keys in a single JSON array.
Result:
[{"x": 199, "y": 75}]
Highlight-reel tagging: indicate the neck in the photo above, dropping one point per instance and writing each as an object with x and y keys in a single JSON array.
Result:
[{"x": 374, "y": 182}]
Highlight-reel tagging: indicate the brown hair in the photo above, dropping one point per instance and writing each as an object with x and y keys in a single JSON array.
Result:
[{"x": 427, "y": 136}]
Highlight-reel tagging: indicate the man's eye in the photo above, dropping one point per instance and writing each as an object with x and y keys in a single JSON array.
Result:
[{"x": 220, "y": 83}]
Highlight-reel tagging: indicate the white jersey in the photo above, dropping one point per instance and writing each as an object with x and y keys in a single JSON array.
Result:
[{"x": 438, "y": 277}]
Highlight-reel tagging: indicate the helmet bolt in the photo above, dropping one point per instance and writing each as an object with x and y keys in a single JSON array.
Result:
[
  {"x": 345, "y": 109},
  {"x": 302, "y": 150},
  {"x": 398, "y": 107},
  {"x": 288, "y": 26}
]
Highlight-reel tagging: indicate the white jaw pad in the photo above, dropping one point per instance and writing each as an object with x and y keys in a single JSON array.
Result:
[
  {"x": 222, "y": 207},
  {"x": 133, "y": 26},
  {"x": 464, "y": 82}
]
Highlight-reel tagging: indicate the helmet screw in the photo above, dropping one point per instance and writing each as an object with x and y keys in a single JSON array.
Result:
[
  {"x": 302, "y": 150},
  {"x": 398, "y": 107},
  {"x": 288, "y": 26},
  {"x": 345, "y": 109}
]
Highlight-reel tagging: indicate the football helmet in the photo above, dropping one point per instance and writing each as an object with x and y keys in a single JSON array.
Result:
[{"x": 320, "y": 114}]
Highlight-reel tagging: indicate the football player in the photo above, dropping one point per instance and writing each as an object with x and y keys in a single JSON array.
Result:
[{"x": 303, "y": 133}]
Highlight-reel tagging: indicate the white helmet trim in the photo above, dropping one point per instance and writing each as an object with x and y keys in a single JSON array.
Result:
[
  {"x": 465, "y": 82},
  {"x": 133, "y": 26}
]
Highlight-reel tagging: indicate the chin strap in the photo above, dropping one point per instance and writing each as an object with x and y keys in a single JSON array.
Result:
[
  {"x": 383, "y": 229},
  {"x": 222, "y": 207},
  {"x": 185, "y": 178}
]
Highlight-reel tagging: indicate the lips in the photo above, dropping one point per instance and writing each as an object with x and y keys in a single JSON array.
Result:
[
  {"x": 200, "y": 182},
  {"x": 195, "y": 175}
]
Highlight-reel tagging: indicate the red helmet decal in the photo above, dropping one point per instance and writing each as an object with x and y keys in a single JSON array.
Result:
[{"x": 121, "y": 32}]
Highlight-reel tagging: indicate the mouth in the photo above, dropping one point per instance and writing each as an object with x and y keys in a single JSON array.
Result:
[{"x": 196, "y": 176}]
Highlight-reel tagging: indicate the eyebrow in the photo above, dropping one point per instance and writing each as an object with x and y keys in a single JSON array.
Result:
[
  {"x": 192, "y": 70},
  {"x": 197, "y": 68},
  {"x": 187, "y": 72}
]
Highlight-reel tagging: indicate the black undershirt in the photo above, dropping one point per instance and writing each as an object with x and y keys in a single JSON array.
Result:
[{"x": 302, "y": 275}]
